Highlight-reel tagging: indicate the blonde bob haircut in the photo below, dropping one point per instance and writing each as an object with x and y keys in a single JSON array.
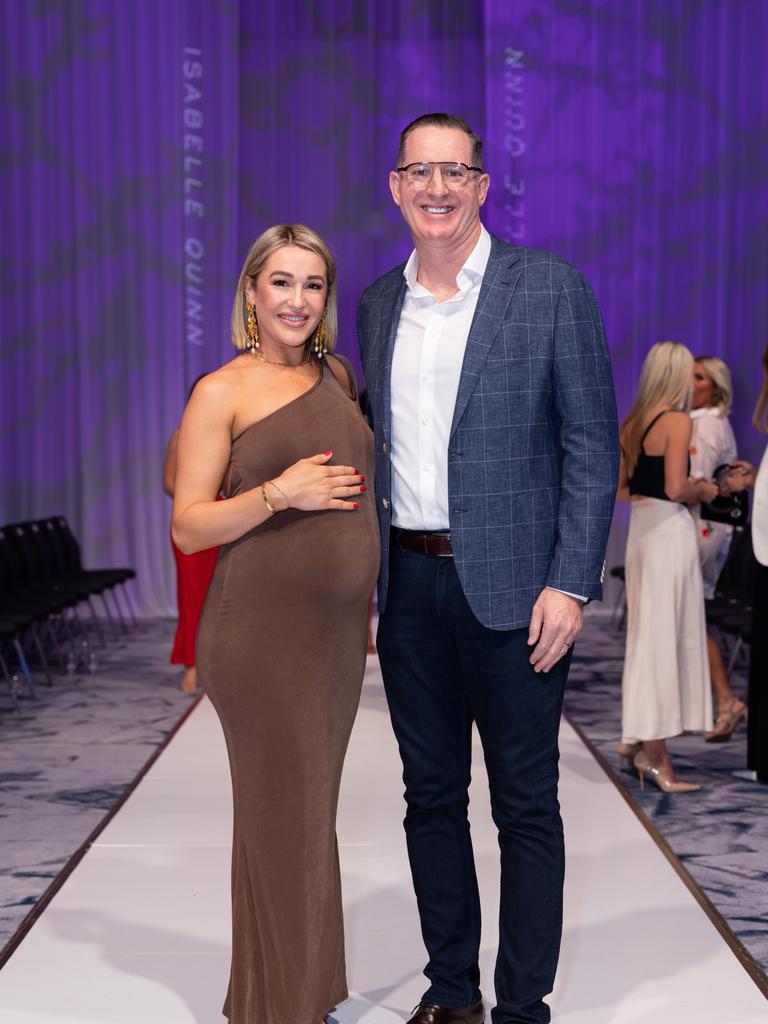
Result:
[
  {"x": 666, "y": 380},
  {"x": 270, "y": 241},
  {"x": 720, "y": 376}
]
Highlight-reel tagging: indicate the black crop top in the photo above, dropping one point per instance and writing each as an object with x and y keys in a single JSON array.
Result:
[{"x": 647, "y": 481}]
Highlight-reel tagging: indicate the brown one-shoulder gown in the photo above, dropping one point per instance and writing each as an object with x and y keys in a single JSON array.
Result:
[{"x": 281, "y": 653}]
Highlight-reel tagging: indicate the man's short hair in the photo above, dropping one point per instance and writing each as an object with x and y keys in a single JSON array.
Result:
[{"x": 442, "y": 121}]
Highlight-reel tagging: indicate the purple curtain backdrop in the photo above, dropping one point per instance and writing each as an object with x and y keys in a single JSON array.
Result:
[
  {"x": 117, "y": 258},
  {"x": 631, "y": 138},
  {"x": 146, "y": 145}
]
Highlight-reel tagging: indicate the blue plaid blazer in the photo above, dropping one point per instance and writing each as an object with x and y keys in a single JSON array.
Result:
[{"x": 533, "y": 457}]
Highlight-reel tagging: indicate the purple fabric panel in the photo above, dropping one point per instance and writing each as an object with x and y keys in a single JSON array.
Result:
[
  {"x": 630, "y": 138},
  {"x": 325, "y": 90},
  {"x": 633, "y": 138},
  {"x": 97, "y": 351}
]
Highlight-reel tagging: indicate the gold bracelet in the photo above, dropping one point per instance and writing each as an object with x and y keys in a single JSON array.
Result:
[
  {"x": 280, "y": 491},
  {"x": 267, "y": 502}
]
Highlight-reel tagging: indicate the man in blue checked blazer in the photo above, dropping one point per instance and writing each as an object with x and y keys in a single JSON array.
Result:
[{"x": 490, "y": 388}]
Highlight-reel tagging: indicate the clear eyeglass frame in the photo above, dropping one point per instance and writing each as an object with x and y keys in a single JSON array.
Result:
[{"x": 454, "y": 174}]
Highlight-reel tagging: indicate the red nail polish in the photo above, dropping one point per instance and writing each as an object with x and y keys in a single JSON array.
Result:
[
  {"x": 362, "y": 487},
  {"x": 355, "y": 505},
  {"x": 357, "y": 470},
  {"x": 327, "y": 453},
  {"x": 362, "y": 479}
]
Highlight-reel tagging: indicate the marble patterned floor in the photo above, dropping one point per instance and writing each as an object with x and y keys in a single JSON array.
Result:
[
  {"x": 66, "y": 759},
  {"x": 721, "y": 833}
]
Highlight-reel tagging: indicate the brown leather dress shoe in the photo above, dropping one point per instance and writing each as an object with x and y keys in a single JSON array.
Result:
[{"x": 428, "y": 1013}]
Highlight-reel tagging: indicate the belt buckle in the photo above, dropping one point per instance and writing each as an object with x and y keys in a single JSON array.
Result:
[{"x": 443, "y": 554}]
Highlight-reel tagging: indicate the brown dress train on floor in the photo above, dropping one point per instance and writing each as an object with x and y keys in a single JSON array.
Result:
[{"x": 281, "y": 653}]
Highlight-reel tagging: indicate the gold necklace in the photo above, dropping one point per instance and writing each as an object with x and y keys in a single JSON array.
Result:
[{"x": 274, "y": 362}]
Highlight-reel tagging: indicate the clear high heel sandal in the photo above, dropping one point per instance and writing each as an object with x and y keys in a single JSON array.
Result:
[
  {"x": 728, "y": 717},
  {"x": 665, "y": 783}
]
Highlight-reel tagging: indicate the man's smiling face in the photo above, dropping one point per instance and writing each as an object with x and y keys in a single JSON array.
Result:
[{"x": 437, "y": 213}]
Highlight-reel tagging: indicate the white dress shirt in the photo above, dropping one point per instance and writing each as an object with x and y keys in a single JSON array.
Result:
[
  {"x": 426, "y": 368},
  {"x": 712, "y": 445},
  {"x": 760, "y": 513},
  {"x": 712, "y": 441}
]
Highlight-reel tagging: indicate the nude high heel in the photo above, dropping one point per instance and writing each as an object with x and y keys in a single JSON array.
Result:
[{"x": 664, "y": 782}]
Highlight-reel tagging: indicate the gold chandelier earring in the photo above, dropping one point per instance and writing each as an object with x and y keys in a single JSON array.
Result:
[
  {"x": 252, "y": 343},
  {"x": 320, "y": 342}
]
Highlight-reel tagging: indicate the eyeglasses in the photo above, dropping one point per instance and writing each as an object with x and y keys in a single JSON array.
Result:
[{"x": 455, "y": 175}]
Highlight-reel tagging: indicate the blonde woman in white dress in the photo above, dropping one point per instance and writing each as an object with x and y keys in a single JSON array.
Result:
[
  {"x": 666, "y": 682},
  {"x": 713, "y": 445}
]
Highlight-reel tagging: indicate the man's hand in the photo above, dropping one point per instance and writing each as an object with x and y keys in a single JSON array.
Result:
[{"x": 555, "y": 623}]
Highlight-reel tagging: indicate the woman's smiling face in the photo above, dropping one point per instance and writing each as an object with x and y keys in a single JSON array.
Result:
[{"x": 289, "y": 294}]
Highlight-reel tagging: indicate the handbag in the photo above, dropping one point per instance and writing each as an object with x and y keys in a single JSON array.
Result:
[{"x": 731, "y": 509}]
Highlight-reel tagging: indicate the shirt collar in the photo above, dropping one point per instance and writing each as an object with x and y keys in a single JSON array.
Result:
[
  {"x": 472, "y": 271},
  {"x": 706, "y": 410}
]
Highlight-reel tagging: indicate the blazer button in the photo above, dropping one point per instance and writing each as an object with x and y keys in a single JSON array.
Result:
[
  {"x": 385, "y": 447},
  {"x": 385, "y": 502}
]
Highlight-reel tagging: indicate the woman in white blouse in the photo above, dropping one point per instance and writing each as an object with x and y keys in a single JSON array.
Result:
[
  {"x": 713, "y": 445},
  {"x": 745, "y": 475}
]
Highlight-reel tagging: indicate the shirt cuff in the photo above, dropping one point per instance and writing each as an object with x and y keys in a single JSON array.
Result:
[{"x": 579, "y": 597}]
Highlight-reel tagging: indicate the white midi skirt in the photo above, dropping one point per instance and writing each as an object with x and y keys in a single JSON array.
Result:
[{"x": 665, "y": 685}]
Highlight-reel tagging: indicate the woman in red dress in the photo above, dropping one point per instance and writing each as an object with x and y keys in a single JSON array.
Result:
[{"x": 193, "y": 575}]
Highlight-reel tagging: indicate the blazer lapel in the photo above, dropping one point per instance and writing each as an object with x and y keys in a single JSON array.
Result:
[
  {"x": 496, "y": 293},
  {"x": 391, "y": 307}
]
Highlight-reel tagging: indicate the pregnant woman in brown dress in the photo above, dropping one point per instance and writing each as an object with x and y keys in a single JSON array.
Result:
[{"x": 282, "y": 641}]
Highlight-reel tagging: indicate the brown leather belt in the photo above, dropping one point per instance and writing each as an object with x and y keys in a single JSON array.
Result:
[{"x": 438, "y": 544}]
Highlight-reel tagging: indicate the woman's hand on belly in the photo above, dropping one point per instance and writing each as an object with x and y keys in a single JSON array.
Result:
[{"x": 311, "y": 485}]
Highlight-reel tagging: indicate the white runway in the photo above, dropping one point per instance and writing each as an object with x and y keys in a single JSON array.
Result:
[{"x": 139, "y": 933}]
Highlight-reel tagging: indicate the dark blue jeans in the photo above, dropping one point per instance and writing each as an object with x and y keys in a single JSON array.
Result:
[{"x": 443, "y": 670}]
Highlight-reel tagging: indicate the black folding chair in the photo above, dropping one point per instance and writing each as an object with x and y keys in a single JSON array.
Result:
[
  {"x": 68, "y": 553},
  {"x": 28, "y": 608},
  {"x": 9, "y": 633}
]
